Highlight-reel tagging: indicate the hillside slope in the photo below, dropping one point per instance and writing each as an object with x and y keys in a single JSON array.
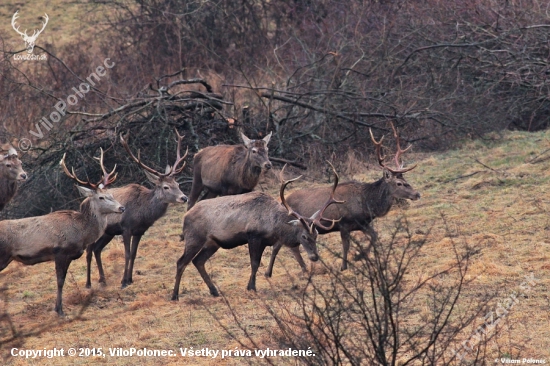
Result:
[{"x": 492, "y": 192}]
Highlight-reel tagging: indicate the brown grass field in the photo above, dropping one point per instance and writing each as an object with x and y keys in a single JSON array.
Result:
[{"x": 493, "y": 193}]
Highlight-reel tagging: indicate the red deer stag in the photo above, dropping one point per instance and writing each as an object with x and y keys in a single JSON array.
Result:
[
  {"x": 144, "y": 206},
  {"x": 60, "y": 236},
  {"x": 11, "y": 174},
  {"x": 364, "y": 203},
  {"x": 254, "y": 218},
  {"x": 227, "y": 170}
]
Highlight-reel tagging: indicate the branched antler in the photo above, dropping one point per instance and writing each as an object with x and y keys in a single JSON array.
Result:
[
  {"x": 318, "y": 216},
  {"x": 170, "y": 170}
]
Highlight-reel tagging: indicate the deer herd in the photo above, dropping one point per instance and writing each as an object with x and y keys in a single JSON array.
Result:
[{"x": 238, "y": 216}]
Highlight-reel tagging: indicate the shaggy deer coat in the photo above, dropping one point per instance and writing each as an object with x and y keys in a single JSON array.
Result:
[
  {"x": 144, "y": 206},
  {"x": 227, "y": 170},
  {"x": 363, "y": 203},
  {"x": 60, "y": 236},
  {"x": 254, "y": 218}
]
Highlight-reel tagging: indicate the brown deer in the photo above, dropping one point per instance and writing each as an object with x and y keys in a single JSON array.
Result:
[
  {"x": 11, "y": 174},
  {"x": 364, "y": 203},
  {"x": 60, "y": 236},
  {"x": 144, "y": 206},
  {"x": 228, "y": 169},
  {"x": 254, "y": 218}
]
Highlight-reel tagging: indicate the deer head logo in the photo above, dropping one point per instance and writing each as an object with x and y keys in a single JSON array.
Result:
[{"x": 29, "y": 40}]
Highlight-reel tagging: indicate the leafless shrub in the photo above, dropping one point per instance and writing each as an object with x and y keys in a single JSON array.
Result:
[{"x": 382, "y": 314}]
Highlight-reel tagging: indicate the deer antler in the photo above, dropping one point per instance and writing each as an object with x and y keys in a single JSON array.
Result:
[
  {"x": 169, "y": 170},
  {"x": 318, "y": 216},
  {"x": 378, "y": 146},
  {"x": 284, "y": 183},
  {"x": 13, "y": 19},
  {"x": 35, "y": 33},
  {"x": 174, "y": 169},
  {"x": 105, "y": 180}
]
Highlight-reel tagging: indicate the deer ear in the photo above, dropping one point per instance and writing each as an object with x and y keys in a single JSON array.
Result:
[
  {"x": 152, "y": 178},
  {"x": 387, "y": 175},
  {"x": 294, "y": 222},
  {"x": 246, "y": 140},
  {"x": 267, "y": 138},
  {"x": 85, "y": 192}
]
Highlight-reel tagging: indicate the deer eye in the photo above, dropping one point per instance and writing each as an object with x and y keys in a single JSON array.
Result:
[
  {"x": 166, "y": 188},
  {"x": 304, "y": 237},
  {"x": 101, "y": 197},
  {"x": 8, "y": 165},
  {"x": 254, "y": 150},
  {"x": 399, "y": 184}
]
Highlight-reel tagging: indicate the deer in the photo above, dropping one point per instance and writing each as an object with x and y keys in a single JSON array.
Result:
[
  {"x": 228, "y": 169},
  {"x": 254, "y": 218},
  {"x": 364, "y": 203},
  {"x": 11, "y": 174},
  {"x": 60, "y": 236},
  {"x": 29, "y": 40},
  {"x": 144, "y": 207}
]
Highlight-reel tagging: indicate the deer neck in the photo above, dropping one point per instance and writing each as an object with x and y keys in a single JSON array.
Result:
[
  {"x": 94, "y": 222},
  {"x": 377, "y": 198},
  {"x": 250, "y": 174},
  {"x": 157, "y": 207}
]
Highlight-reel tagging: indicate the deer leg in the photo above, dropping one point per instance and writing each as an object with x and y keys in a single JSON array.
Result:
[
  {"x": 189, "y": 253},
  {"x": 5, "y": 258},
  {"x": 345, "y": 235},
  {"x": 199, "y": 261},
  {"x": 62, "y": 263},
  {"x": 369, "y": 230},
  {"x": 196, "y": 188},
  {"x": 135, "y": 243},
  {"x": 296, "y": 253},
  {"x": 126, "y": 237},
  {"x": 274, "y": 252},
  {"x": 96, "y": 248},
  {"x": 255, "y": 249}
]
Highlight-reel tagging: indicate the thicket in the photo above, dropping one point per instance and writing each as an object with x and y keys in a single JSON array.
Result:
[{"x": 317, "y": 73}]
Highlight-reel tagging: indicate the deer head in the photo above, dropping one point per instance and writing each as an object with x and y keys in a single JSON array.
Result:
[
  {"x": 166, "y": 186},
  {"x": 29, "y": 40},
  {"x": 399, "y": 188},
  {"x": 97, "y": 192},
  {"x": 307, "y": 236},
  {"x": 257, "y": 152},
  {"x": 10, "y": 166}
]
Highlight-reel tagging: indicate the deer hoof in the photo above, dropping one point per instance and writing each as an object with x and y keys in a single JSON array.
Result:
[{"x": 214, "y": 292}]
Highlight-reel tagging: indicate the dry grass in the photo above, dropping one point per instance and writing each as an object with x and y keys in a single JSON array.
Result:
[{"x": 503, "y": 206}]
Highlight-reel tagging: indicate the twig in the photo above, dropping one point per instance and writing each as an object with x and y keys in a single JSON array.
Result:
[{"x": 284, "y": 161}]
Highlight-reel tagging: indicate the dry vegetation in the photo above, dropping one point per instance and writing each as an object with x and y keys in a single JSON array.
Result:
[
  {"x": 317, "y": 74},
  {"x": 492, "y": 193}
]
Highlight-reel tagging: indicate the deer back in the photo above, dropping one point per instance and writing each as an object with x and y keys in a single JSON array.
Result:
[
  {"x": 229, "y": 219},
  {"x": 37, "y": 239}
]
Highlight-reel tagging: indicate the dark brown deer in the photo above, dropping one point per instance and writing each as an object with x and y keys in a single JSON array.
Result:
[
  {"x": 228, "y": 169},
  {"x": 144, "y": 206},
  {"x": 254, "y": 218},
  {"x": 364, "y": 203},
  {"x": 11, "y": 174},
  {"x": 60, "y": 236}
]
